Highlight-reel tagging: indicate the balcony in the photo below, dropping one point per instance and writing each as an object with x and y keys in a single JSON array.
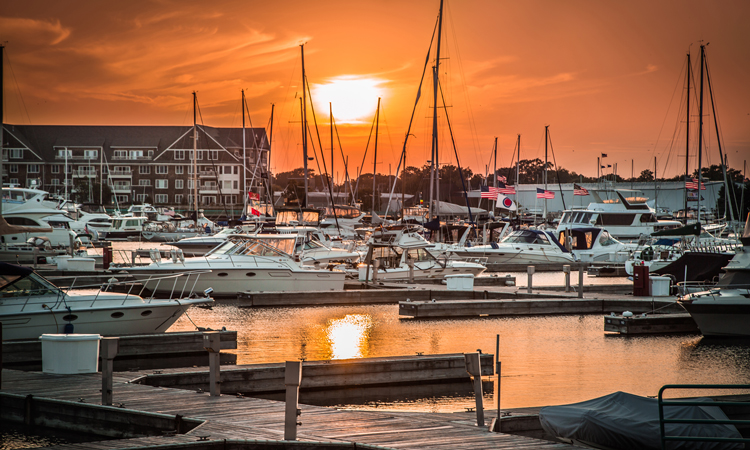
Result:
[
  {"x": 120, "y": 173},
  {"x": 132, "y": 158},
  {"x": 122, "y": 188},
  {"x": 207, "y": 174},
  {"x": 84, "y": 173},
  {"x": 75, "y": 158}
]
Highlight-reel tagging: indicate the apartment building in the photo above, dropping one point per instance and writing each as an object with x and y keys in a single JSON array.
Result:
[{"x": 138, "y": 163}]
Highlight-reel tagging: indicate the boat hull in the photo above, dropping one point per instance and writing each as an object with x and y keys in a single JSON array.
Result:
[{"x": 724, "y": 317}]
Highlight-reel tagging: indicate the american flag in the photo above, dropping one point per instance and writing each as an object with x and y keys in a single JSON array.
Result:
[
  {"x": 541, "y": 193},
  {"x": 502, "y": 188},
  {"x": 578, "y": 190},
  {"x": 692, "y": 184},
  {"x": 488, "y": 192},
  {"x": 502, "y": 179}
]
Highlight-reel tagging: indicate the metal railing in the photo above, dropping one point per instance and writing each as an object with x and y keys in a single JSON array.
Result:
[{"x": 663, "y": 420}]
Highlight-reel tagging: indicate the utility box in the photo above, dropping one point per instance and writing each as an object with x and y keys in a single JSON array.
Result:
[
  {"x": 82, "y": 264},
  {"x": 62, "y": 261},
  {"x": 460, "y": 282},
  {"x": 660, "y": 286},
  {"x": 70, "y": 353},
  {"x": 641, "y": 284}
]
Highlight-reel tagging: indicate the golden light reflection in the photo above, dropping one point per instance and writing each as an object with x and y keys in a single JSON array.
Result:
[
  {"x": 348, "y": 336},
  {"x": 352, "y": 98}
]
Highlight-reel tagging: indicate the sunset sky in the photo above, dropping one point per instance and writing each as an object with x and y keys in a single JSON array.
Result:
[{"x": 605, "y": 76}]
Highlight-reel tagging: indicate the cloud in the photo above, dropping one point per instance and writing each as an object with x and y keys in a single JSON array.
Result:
[{"x": 29, "y": 30}]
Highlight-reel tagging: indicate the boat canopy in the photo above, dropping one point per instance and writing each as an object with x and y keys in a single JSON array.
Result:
[
  {"x": 688, "y": 230},
  {"x": 623, "y": 420}
]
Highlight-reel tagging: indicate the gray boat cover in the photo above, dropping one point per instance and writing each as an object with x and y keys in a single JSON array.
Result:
[{"x": 627, "y": 421}]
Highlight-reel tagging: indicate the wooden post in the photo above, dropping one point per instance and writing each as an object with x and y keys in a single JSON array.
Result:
[
  {"x": 1, "y": 355},
  {"x": 580, "y": 281},
  {"x": 530, "y": 271},
  {"x": 292, "y": 380},
  {"x": 410, "y": 263},
  {"x": 566, "y": 271},
  {"x": 497, "y": 370},
  {"x": 375, "y": 266},
  {"x": 108, "y": 347},
  {"x": 474, "y": 367},
  {"x": 212, "y": 343}
]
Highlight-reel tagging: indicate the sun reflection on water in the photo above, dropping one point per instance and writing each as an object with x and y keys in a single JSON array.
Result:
[{"x": 349, "y": 335}]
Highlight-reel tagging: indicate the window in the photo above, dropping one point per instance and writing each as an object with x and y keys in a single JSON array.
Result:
[
  {"x": 120, "y": 154},
  {"x": 32, "y": 168},
  {"x": 208, "y": 199},
  {"x": 55, "y": 182},
  {"x": 227, "y": 184},
  {"x": 161, "y": 198},
  {"x": 236, "y": 184},
  {"x": 236, "y": 170},
  {"x": 55, "y": 168},
  {"x": 13, "y": 168},
  {"x": 200, "y": 155},
  {"x": 122, "y": 198},
  {"x": 136, "y": 154},
  {"x": 161, "y": 170},
  {"x": 90, "y": 154},
  {"x": 178, "y": 199},
  {"x": 179, "y": 154},
  {"x": 16, "y": 153},
  {"x": 190, "y": 183},
  {"x": 144, "y": 170},
  {"x": 214, "y": 155},
  {"x": 179, "y": 170},
  {"x": 162, "y": 184},
  {"x": 13, "y": 181},
  {"x": 60, "y": 153},
  {"x": 140, "y": 198},
  {"x": 179, "y": 184},
  {"x": 144, "y": 182}
]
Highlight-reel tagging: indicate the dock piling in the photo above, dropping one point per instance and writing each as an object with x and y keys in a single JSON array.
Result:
[
  {"x": 375, "y": 266},
  {"x": 530, "y": 270},
  {"x": 497, "y": 371},
  {"x": 580, "y": 281},
  {"x": 410, "y": 263},
  {"x": 108, "y": 348},
  {"x": 474, "y": 367},
  {"x": 566, "y": 271},
  {"x": 212, "y": 343},
  {"x": 292, "y": 381}
]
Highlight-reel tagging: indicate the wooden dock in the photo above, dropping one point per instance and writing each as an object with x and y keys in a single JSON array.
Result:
[
  {"x": 651, "y": 323},
  {"x": 233, "y": 420},
  {"x": 524, "y": 307}
]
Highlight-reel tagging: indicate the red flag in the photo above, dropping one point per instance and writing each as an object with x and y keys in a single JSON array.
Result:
[
  {"x": 253, "y": 196},
  {"x": 254, "y": 212}
]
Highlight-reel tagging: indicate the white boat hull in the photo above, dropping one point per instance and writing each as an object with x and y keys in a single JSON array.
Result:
[
  {"x": 515, "y": 256},
  {"x": 722, "y": 314}
]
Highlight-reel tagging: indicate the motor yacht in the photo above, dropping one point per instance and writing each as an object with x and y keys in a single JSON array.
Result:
[
  {"x": 242, "y": 263},
  {"x": 30, "y": 305}
]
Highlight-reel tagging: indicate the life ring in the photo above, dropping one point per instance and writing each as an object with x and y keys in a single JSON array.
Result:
[{"x": 647, "y": 254}]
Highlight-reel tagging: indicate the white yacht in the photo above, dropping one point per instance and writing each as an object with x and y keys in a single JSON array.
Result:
[
  {"x": 30, "y": 306},
  {"x": 524, "y": 247},
  {"x": 724, "y": 310},
  {"x": 397, "y": 246},
  {"x": 623, "y": 218},
  {"x": 596, "y": 245},
  {"x": 242, "y": 263}
]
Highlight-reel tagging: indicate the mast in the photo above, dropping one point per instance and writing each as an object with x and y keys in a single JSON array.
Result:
[
  {"x": 375, "y": 157},
  {"x": 244, "y": 159},
  {"x": 546, "y": 141},
  {"x": 687, "y": 136},
  {"x": 494, "y": 178},
  {"x": 195, "y": 158},
  {"x": 656, "y": 193},
  {"x": 2, "y": 120},
  {"x": 435, "y": 168},
  {"x": 330, "y": 112},
  {"x": 304, "y": 118},
  {"x": 268, "y": 163},
  {"x": 700, "y": 134}
]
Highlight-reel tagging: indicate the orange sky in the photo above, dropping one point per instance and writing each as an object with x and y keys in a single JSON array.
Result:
[{"x": 605, "y": 76}]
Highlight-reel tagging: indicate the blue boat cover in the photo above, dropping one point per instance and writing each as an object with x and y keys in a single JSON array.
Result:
[{"x": 627, "y": 421}]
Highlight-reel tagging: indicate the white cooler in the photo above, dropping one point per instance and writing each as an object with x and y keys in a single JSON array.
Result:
[
  {"x": 460, "y": 282},
  {"x": 70, "y": 353},
  {"x": 659, "y": 286}
]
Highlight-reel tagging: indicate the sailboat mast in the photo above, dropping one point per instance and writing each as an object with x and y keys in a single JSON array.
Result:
[
  {"x": 195, "y": 158},
  {"x": 687, "y": 135},
  {"x": 330, "y": 112},
  {"x": 546, "y": 141},
  {"x": 375, "y": 157},
  {"x": 435, "y": 168},
  {"x": 494, "y": 172},
  {"x": 269, "y": 177},
  {"x": 700, "y": 134},
  {"x": 244, "y": 159},
  {"x": 304, "y": 118}
]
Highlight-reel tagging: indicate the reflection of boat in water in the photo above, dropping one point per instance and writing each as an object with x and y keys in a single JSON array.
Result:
[
  {"x": 30, "y": 306},
  {"x": 724, "y": 310},
  {"x": 243, "y": 263}
]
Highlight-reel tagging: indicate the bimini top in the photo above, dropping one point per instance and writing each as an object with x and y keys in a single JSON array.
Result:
[{"x": 10, "y": 269}]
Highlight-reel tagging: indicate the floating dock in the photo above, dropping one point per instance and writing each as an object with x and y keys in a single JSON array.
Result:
[{"x": 650, "y": 323}]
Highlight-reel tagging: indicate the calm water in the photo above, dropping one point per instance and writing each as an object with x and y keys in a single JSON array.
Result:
[{"x": 545, "y": 360}]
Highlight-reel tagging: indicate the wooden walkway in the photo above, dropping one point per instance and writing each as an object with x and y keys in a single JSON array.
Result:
[{"x": 244, "y": 418}]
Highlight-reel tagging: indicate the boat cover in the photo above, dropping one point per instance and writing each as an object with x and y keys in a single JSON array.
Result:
[
  {"x": 627, "y": 421},
  {"x": 701, "y": 266},
  {"x": 10, "y": 269}
]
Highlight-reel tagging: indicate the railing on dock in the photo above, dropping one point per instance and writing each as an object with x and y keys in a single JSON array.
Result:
[{"x": 663, "y": 420}]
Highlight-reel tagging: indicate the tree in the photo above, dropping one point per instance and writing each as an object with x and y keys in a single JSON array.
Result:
[
  {"x": 646, "y": 175},
  {"x": 86, "y": 190}
]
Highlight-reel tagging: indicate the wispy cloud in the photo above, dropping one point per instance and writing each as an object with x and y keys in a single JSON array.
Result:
[{"x": 48, "y": 31}]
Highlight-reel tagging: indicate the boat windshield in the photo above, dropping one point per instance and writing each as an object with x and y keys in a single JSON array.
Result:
[
  {"x": 252, "y": 247},
  {"x": 23, "y": 286},
  {"x": 525, "y": 237},
  {"x": 419, "y": 254}
]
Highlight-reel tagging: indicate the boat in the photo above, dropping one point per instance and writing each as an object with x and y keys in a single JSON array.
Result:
[
  {"x": 596, "y": 246},
  {"x": 31, "y": 305},
  {"x": 724, "y": 309},
  {"x": 623, "y": 218},
  {"x": 520, "y": 247},
  {"x": 242, "y": 263},
  {"x": 202, "y": 244},
  {"x": 395, "y": 247}
]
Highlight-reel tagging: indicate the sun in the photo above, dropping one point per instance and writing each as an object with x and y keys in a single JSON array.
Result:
[{"x": 353, "y": 98}]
